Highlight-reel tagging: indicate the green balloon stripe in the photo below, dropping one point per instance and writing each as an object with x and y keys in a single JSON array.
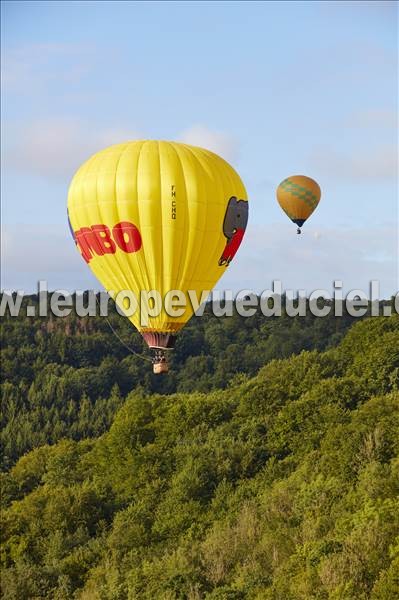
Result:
[{"x": 299, "y": 192}]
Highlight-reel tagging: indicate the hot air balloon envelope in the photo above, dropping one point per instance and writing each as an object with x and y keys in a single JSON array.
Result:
[
  {"x": 157, "y": 216},
  {"x": 298, "y": 196}
]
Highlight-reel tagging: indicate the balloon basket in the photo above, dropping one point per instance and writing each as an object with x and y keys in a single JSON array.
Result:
[{"x": 160, "y": 363}]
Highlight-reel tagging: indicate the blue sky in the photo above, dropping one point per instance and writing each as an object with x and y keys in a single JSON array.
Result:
[{"x": 276, "y": 88}]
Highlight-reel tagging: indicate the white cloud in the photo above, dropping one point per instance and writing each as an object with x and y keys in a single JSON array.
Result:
[
  {"x": 309, "y": 261},
  {"x": 378, "y": 163},
  {"x": 55, "y": 147},
  {"x": 34, "y": 252},
  {"x": 35, "y": 68},
  {"x": 216, "y": 141},
  {"x": 315, "y": 258},
  {"x": 376, "y": 118}
]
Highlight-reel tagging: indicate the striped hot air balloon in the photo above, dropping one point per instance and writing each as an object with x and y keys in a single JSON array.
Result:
[{"x": 298, "y": 196}]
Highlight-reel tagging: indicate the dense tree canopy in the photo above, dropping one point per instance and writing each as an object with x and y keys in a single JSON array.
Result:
[
  {"x": 276, "y": 483},
  {"x": 66, "y": 377}
]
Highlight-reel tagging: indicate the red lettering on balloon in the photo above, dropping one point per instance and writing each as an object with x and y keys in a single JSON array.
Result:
[
  {"x": 127, "y": 236},
  {"x": 87, "y": 243},
  {"x": 99, "y": 240},
  {"x": 104, "y": 239}
]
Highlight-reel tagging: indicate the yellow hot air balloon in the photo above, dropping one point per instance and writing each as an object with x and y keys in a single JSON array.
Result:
[
  {"x": 298, "y": 196},
  {"x": 157, "y": 216}
]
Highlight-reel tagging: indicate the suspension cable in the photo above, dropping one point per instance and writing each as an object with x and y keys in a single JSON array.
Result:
[{"x": 120, "y": 339}]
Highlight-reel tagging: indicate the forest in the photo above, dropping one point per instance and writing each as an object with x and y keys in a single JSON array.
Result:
[
  {"x": 265, "y": 466},
  {"x": 66, "y": 377}
]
